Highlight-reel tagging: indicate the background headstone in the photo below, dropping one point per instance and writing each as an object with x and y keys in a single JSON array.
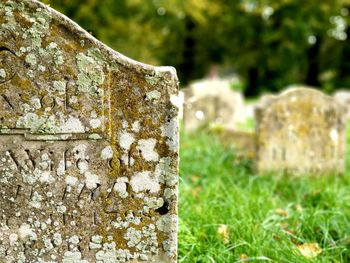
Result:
[
  {"x": 212, "y": 101},
  {"x": 89, "y": 146},
  {"x": 301, "y": 131},
  {"x": 343, "y": 98}
]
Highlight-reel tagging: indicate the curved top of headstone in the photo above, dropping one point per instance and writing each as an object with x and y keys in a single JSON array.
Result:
[
  {"x": 304, "y": 90},
  {"x": 296, "y": 95},
  {"x": 79, "y": 32},
  {"x": 305, "y": 102},
  {"x": 53, "y": 73}
]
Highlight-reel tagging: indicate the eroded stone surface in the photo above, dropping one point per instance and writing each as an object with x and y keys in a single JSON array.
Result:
[
  {"x": 89, "y": 146},
  {"x": 301, "y": 131}
]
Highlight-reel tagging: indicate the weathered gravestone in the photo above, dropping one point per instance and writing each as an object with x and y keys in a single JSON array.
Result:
[
  {"x": 88, "y": 155},
  {"x": 212, "y": 102},
  {"x": 301, "y": 131}
]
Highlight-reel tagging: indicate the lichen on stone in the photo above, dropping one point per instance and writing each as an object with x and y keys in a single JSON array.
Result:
[
  {"x": 91, "y": 73},
  {"x": 147, "y": 149},
  {"x": 165, "y": 173},
  {"x": 88, "y": 162},
  {"x": 2, "y": 73}
]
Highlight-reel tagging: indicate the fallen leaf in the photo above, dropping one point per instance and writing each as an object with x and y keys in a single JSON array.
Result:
[
  {"x": 194, "y": 178},
  {"x": 224, "y": 233},
  {"x": 243, "y": 256},
  {"x": 195, "y": 191},
  {"x": 292, "y": 232},
  {"x": 281, "y": 212},
  {"x": 309, "y": 250}
]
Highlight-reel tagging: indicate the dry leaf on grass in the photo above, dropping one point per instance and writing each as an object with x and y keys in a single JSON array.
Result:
[
  {"x": 194, "y": 178},
  {"x": 281, "y": 212},
  {"x": 309, "y": 250},
  {"x": 195, "y": 191},
  {"x": 224, "y": 233}
]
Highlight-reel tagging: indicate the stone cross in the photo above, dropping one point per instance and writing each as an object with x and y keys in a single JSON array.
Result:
[
  {"x": 301, "y": 131},
  {"x": 88, "y": 146}
]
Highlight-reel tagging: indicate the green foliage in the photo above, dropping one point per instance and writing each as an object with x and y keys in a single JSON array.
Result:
[
  {"x": 270, "y": 43},
  {"x": 239, "y": 86},
  {"x": 267, "y": 216}
]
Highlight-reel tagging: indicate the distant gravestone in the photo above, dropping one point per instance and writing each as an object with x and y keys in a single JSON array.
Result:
[
  {"x": 301, "y": 131},
  {"x": 265, "y": 99},
  {"x": 89, "y": 146},
  {"x": 212, "y": 102},
  {"x": 261, "y": 103},
  {"x": 343, "y": 98}
]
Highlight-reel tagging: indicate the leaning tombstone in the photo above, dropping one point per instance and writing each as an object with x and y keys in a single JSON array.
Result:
[
  {"x": 89, "y": 146},
  {"x": 301, "y": 131}
]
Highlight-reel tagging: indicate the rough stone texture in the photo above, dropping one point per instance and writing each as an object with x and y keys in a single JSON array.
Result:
[
  {"x": 89, "y": 146},
  {"x": 301, "y": 131},
  {"x": 212, "y": 102}
]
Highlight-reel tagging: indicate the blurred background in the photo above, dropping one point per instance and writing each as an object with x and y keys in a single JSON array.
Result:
[{"x": 266, "y": 44}]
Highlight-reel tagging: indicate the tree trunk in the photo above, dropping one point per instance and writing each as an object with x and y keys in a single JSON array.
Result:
[{"x": 313, "y": 70}]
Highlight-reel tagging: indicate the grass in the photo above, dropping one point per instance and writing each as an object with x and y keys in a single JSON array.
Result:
[{"x": 267, "y": 216}]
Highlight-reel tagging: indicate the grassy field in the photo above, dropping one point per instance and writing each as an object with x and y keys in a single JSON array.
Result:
[{"x": 230, "y": 214}]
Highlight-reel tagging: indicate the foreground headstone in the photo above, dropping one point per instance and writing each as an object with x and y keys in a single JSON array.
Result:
[
  {"x": 212, "y": 102},
  {"x": 88, "y": 146},
  {"x": 301, "y": 131}
]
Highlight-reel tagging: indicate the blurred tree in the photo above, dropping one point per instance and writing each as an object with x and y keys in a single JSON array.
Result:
[
  {"x": 270, "y": 43},
  {"x": 283, "y": 42}
]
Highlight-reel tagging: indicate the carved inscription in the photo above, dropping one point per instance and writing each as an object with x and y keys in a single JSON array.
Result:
[
  {"x": 88, "y": 146},
  {"x": 36, "y": 170}
]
